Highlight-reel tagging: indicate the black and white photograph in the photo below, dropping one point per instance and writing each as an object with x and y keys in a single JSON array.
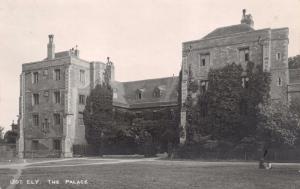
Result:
[{"x": 153, "y": 94}]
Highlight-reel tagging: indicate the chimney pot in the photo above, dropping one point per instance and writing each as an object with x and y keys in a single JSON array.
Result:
[{"x": 51, "y": 47}]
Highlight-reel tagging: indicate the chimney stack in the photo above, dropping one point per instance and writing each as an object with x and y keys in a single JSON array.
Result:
[
  {"x": 51, "y": 48},
  {"x": 247, "y": 19},
  {"x": 76, "y": 51}
]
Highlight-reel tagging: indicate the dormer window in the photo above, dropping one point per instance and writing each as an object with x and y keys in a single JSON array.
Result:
[
  {"x": 158, "y": 91},
  {"x": 139, "y": 94}
]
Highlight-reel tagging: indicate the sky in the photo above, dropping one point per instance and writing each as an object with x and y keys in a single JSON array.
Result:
[{"x": 142, "y": 38}]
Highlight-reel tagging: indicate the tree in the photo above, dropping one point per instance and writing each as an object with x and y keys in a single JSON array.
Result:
[
  {"x": 98, "y": 114},
  {"x": 294, "y": 62},
  {"x": 277, "y": 125},
  {"x": 223, "y": 98},
  {"x": 10, "y": 137},
  {"x": 1, "y": 134}
]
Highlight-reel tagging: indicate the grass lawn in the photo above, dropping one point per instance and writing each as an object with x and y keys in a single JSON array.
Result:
[
  {"x": 5, "y": 176},
  {"x": 168, "y": 174}
]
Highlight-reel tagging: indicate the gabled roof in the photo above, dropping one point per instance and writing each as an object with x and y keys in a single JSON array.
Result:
[
  {"x": 228, "y": 30},
  {"x": 127, "y": 93}
]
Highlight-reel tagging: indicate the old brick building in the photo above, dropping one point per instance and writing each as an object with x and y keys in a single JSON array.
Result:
[{"x": 240, "y": 44}]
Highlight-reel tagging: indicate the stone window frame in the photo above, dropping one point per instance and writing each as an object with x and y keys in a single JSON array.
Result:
[
  {"x": 81, "y": 99},
  {"x": 57, "y": 97},
  {"x": 57, "y": 144},
  {"x": 35, "y": 77},
  {"x": 82, "y": 76},
  {"x": 204, "y": 59},
  {"x": 279, "y": 82},
  {"x": 56, "y": 119},
  {"x": 80, "y": 118},
  {"x": 245, "y": 58},
  {"x": 35, "y": 99},
  {"x": 278, "y": 56},
  {"x": 35, "y": 119},
  {"x": 45, "y": 125},
  {"x": 57, "y": 74}
]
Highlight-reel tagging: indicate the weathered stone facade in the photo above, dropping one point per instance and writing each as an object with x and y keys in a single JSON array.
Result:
[
  {"x": 52, "y": 100},
  {"x": 239, "y": 44},
  {"x": 52, "y": 97}
]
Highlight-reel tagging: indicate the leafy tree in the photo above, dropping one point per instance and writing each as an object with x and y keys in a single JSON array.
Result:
[
  {"x": 277, "y": 125},
  {"x": 223, "y": 102},
  {"x": 1, "y": 134},
  {"x": 10, "y": 137},
  {"x": 98, "y": 114},
  {"x": 294, "y": 62}
]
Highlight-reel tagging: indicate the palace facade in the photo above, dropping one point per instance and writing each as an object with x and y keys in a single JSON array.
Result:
[{"x": 53, "y": 91}]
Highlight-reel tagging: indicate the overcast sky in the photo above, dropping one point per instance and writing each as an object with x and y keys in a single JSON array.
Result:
[{"x": 143, "y": 38}]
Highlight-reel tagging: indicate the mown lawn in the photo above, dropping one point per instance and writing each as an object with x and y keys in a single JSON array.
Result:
[
  {"x": 168, "y": 174},
  {"x": 5, "y": 176}
]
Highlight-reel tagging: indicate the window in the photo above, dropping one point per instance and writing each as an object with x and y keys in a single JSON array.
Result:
[
  {"x": 80, "y": 118},
  {"x": 46, "y": 93},
  {"x": 156, "y": 92},
  {"x": 155, "y": 115},
  {"x": 245, "y": 82},
  {"x": 278, "y": 56},
  {"x": 57, "y": 97},
  {"x": 45, "y": 72},
  {"x": 115, "y": 94},
  {"x": 35, "y": 119},
  {"x": 138, "y": 114},
  {"x": 36, "y": 99},
  {"x": 204, "y": 59},
  {"x": 46, "y": 125},
  {"x": 82, "y": 76},
  {"x": 56, "y": 118},
  {"x": 81, "y": 99},
  {"x": 35, "y": 77},
  {"x": 56, "y": 144},
  {"x": 204, "y": 85},
  {"x": 244, "y": 55},
  {"x": 57, "y": 74},
  {"x": 279, "y": 81},
  {"x": 34, "y": 144}
]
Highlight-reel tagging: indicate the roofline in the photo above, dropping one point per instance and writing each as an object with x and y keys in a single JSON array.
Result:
[
  {"x": 148, "y": 79},
  {"x": 220, "y": 37},
  {"x": 46, "y": 60}
]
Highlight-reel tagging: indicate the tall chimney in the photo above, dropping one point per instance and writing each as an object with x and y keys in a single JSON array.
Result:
[
  {"x": 247, "y": 19},
  {"x": 51, "y": 48}
]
